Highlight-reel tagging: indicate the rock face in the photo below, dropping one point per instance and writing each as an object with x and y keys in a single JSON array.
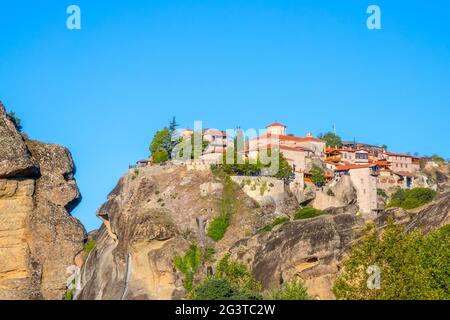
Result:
[
  {"x": 38, "y": 237},
  {"x": 149, "y": 218},
  {"x": 309, "y": 250},
  {"x": 154, "y": 214},
  {"x": 15, "y": 159}
]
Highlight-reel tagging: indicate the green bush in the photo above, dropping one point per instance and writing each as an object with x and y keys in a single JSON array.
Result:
[
  {"x": 330, "y": 193},
  {"x": 160, "y": 156},
  {"x": 135, "y": 174},
  {"x": 292, "y": 290},
  {"x": 231, "y": 281},
  {"x": 413, "y": 266},
  {"x": 188, "y": 265},
  {"x": 263, "y": 188},
  {"x": 69, "y": 295},
  {"x": 411, "y": 199},
  {"x": 307, "y": 213},
  {"x": 318, "y": 176},
  {"x": 382, "y": 193},
  {"x": 220, "y": 224},
  {"x": 219, "y": 289},
  {"x": 89, "y": 246},
  {"x": 15, "y": 120},
  {"x": 276, "y": 222},
  {"x": 218, "y": 227}
]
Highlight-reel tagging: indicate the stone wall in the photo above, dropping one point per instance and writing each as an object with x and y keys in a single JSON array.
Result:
[{"x": 264, "y": 190}]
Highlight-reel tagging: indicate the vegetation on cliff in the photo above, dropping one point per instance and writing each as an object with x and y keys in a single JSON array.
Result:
[
  {"x": 189, "y": 264},
  {"x": 411, "y": 199},
  {"x": 307, "y": 213},
  {"x": 276, "y": 222},
  {"x": 291, "y": 290},
  {"x": 231, "y": 281},
  {"x": 220, "y": 224},
  {"x": 89, "y": 246},
  {"x": 15, "y": 120},
  {"x": 318, "y": 176},
  {"x": 412, "y": 266}
]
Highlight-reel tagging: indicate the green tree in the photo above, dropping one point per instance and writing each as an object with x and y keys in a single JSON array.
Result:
[
  {"x": 331, "y": 139},
  {"x": 285, "y": 171},
  {"x": 231, "y": 281},
  {"x": 164, "y": 143},
  {"x": 219, "y": 289},
  {"x": 437, "y": 158},
  {"x": 239, "y": 165},
  {"x": 160, "y": 156},
  {"x": 412, "y": 266},
  {"x": 15, "y": 120},
  {"x": 291, "y": 290},
  {"x": 318, "y": 176},
  {"x": 159, "y": 144}
]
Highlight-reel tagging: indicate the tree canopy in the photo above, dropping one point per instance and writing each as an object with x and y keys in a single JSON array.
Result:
[
  {"x": 318, "y": 176},
  {"x": 331, "y": 139},
  {"x": 15, "y": 120},
  {"x": 411, "y": 266},
  {"x": 164, "y": 142}
]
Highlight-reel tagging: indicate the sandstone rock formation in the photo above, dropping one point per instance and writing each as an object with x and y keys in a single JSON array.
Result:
[
  {"x": 154, "y": 214},
  {"x": 307, "y": 249},
  {"x": 38, "y": 237}
]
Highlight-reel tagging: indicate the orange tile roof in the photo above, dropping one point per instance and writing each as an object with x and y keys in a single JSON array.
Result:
[{"x": 382, "y": 163}]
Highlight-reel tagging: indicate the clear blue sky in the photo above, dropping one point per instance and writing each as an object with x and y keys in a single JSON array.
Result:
[{"x": 104, "y": 90}]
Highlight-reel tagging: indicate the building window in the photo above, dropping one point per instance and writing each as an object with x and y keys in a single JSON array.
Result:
[{"x": 362, "y": 156}]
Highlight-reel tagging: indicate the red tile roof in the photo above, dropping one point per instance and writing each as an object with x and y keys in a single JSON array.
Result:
[
  {"x": 281, "y": 147},
  {"x": 276, "y": 124},
  {"x": 353, "y": 166},
  {"x": 399, "y": 155},
  {"x": 404, "y": 174},
  {"x": 214, "y": 132},
  {"x": 288, "y": 138}
]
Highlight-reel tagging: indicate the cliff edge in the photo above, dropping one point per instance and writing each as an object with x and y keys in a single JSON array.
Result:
[{"x": 38, "y": 237}]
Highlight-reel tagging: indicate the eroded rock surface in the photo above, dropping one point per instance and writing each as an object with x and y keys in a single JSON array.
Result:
[{"x": 38, "y": 237}]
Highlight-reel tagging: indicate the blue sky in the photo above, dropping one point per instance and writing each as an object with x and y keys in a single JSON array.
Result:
[{"x": 104, "y": 90}]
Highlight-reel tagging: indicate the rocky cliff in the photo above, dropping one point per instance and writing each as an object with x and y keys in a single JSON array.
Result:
[
  {"x": 154, "y": 213},
  {"x": 38, "y": 237}
]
